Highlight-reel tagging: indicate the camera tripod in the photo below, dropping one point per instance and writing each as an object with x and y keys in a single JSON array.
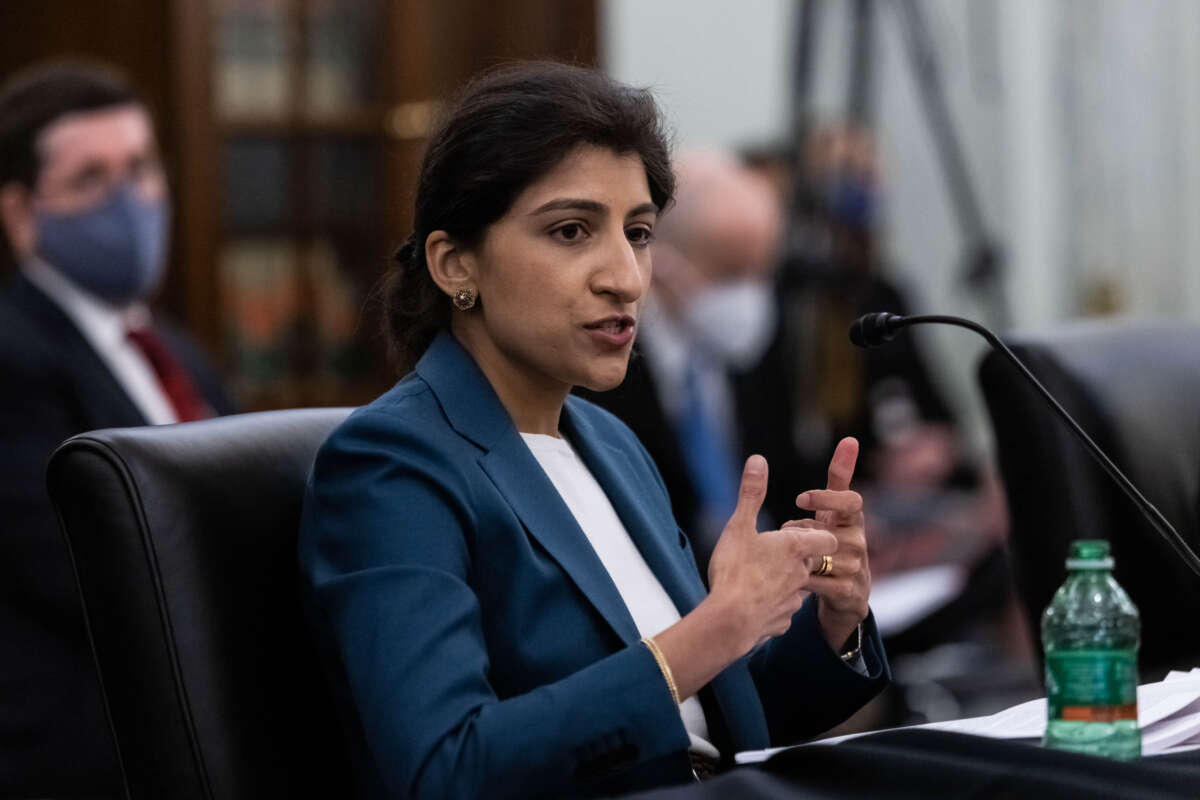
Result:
[{"x": 983, "y": 261}]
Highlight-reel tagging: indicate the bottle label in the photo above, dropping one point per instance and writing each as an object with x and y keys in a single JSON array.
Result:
[{"x": 1091, "y": 685}]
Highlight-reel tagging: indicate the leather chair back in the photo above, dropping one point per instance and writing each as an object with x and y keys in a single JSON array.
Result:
[
  {"x": 183, "y": 539},
  {"x": 1134, "y": 386}
]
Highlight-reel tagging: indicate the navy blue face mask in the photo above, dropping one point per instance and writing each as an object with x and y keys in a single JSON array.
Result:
[
  {"x": 116, "y": 251},
  {"x": 853, "y": 202}
]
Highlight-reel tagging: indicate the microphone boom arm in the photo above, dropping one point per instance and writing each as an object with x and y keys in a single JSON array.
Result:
[{"x": 1160, "y": 523}]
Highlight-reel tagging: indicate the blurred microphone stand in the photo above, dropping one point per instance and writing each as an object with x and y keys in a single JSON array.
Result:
[
  {"x": 810, "y": 278},
  {"x": 808, "y": 275},
  {"x": 983, "y": 260}
]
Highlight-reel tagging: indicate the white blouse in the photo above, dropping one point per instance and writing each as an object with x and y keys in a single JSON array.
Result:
[{"x": 648, "y": 603}]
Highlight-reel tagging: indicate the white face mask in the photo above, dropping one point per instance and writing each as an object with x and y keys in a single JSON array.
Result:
[{"x": 733, "y": 322}]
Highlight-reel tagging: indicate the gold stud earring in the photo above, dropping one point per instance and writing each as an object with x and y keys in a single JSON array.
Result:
[{"x": 464, "y": 299}]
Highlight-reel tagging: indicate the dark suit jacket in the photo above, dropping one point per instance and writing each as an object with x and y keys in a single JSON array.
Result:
[
  {"x": 763, "y": 425},
  {"x": 478, "y": 643},
  {"x": 765, "y": 413},
  {"x": 54, "y": 740}
]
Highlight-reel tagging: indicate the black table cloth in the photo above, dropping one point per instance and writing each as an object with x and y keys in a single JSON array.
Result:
[{"x": 923, "y": 764}]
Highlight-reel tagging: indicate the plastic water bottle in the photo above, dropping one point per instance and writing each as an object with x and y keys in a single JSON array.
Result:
[{"x": 1090, "y": 633}]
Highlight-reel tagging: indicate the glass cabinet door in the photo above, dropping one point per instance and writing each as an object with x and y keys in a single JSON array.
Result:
[
  {"x": 341, "y": 74},
  {"x": 301, "y": 131},
  {"x": 302, "y": 155},
  {"x": 253, "y": 43}
]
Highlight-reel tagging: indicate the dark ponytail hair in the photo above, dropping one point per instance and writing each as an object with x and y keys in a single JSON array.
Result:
[{"x": 506, "y": 130}]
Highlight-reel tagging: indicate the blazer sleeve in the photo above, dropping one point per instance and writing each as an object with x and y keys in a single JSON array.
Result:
[
  {"x": 385, "y": 554},
  {"x": 805, "y": 686}
]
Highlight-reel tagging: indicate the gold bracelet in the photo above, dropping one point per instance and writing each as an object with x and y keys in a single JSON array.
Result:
[
  {"x": 850, "y": 655},
  {"x": 662, "y": 665}
]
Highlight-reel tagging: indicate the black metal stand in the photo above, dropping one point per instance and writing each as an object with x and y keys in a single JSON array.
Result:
[{"x": 984, "y": 259}]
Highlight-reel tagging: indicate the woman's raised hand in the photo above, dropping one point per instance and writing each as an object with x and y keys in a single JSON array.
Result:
[
  {"x": 760, "y": 578},
  {"x": 845, "y": 590},
  {"x": 758, "y": 581}
]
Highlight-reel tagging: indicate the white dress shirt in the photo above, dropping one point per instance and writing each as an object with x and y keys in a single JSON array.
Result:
[
  {"x": 669, "y": 349},
  {"x": 104, "y": 327},
  {"x": 648, "y": 603}
]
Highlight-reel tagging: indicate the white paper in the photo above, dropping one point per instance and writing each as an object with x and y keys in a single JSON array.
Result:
[
  {"x": 1177, "y": 730},
  {"x": 901, "y": 599},
  {"x": 1157, "y": 701},
  {"x": 1168, "y": 714},
  {"x": 1179, "y": 748}
]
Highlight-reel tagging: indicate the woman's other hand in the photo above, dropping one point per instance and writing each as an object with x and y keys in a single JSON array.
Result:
[
  {"x": 845, "y": 592},
  {"x": 759, "y": 579}
]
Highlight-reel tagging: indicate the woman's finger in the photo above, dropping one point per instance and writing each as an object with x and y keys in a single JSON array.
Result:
[
  {"x": 841, "y": 501},
  {"x": 846, "y": 563},
  {"x": 751, "y": 493},
  {"x": 843, "y": 530},
  {"x": 806, "y": 546},
  {"x": 806, "y": 524},
  {"x": 841, "y": 465},
  {"x": 840, "y": 591}
]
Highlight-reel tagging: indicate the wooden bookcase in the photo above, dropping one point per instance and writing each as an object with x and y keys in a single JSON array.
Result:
[{"x": 292, "y": 131}]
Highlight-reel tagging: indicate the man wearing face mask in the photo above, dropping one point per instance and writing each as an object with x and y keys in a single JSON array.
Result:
[
  {"x": 710, "y": 319},
  {"x": 84, "y": 207}
]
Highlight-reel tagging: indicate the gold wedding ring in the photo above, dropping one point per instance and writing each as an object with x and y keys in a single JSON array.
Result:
[{"x": 826, "y": 567}]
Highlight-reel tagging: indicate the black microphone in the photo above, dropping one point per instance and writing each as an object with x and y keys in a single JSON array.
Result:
[{"x": 871, "y": 330}]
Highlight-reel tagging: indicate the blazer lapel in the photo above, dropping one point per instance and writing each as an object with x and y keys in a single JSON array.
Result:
[
  {"x": 732, "y": 706},
  {"x": 655, "y": 533},
  {"x": 519, "y": 477},
  {"x": 475, "y": 412}
]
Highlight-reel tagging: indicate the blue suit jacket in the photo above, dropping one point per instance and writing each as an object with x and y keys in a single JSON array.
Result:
[{"x": 478, "y": 643}]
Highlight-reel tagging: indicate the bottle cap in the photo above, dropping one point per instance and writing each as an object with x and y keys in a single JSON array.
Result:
[{"x": 1089, "y": 554}]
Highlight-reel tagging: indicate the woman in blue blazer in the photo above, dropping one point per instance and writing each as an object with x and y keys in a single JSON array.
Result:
[{"x": 482, "y": 638}]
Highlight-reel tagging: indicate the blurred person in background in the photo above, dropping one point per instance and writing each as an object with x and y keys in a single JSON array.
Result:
[
  {"x": 695, "y": 393},
  {"x": 931, "y": 502},
  {"x": 85, "y": 211}
]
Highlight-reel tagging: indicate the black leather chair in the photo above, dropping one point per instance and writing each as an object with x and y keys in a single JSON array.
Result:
[
  {"x": 1134, "y": 386},
  {"x": 183, "y": 539}
]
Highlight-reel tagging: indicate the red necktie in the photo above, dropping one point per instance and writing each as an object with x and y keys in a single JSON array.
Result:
[{"x": 176, "y": 383}]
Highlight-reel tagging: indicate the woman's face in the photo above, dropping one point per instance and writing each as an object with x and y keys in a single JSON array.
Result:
[{"x": 562, "y": 276}]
